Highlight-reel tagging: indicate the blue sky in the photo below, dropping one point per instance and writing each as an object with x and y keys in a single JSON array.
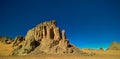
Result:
[{"x": 88, "y": 23}]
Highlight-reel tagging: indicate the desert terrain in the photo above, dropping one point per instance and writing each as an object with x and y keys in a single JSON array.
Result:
[
  {"x": 6, "y": 49},
  {"x": 99, "y": 55},
  {"x": 46, "y": 41}
]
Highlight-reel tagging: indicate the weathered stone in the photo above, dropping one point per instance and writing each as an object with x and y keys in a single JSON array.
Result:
[
  {"x": 44, "y": 32},
  {"x": 56, "y": 33},
  {"x": 47, "y": 37},
  {"x": 63, "y": 34},
  {"x": 18, "y": 40},
  {"x": 28, "y": 46},
  {"x": 30, "y": 33},
  {"x": 48, "y": 32}
]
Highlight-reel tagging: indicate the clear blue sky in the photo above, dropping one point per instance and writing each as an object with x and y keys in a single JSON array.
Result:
[{"x": 88, "y": 23}]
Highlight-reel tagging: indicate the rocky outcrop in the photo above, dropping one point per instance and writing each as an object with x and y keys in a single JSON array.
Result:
[
  {"x": 6, "y": 40},
  {"x": 114, "y": 46},
  {"x": 18, "y": 40},
  {"x": 27, "y": 47},
  {"x": 46, "y": 38}
]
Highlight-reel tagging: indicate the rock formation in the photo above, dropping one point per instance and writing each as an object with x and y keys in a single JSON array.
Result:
[
  {"x": 17, "y": 41},
  {"x": 114, "y": 46},
  {"x": 46, "y": 38},
  {"x": 6, "y": 40}
]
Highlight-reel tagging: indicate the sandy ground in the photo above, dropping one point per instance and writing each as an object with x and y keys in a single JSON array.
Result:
[
  {"x": 62, "y": 57},
  {"x": 6, "y": 49},
  {"x": 99, "y": 55}
]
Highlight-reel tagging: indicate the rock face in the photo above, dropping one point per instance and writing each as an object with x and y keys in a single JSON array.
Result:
[
  {"x": 114, "y": 46},
  {"x": 46, "y": 38}
]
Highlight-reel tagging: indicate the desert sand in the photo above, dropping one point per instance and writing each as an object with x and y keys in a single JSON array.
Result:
[
  {"x": 5, "y": 50},
  {"x": 100, "y": 55},
  {"x": 111, "y": 54}
]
